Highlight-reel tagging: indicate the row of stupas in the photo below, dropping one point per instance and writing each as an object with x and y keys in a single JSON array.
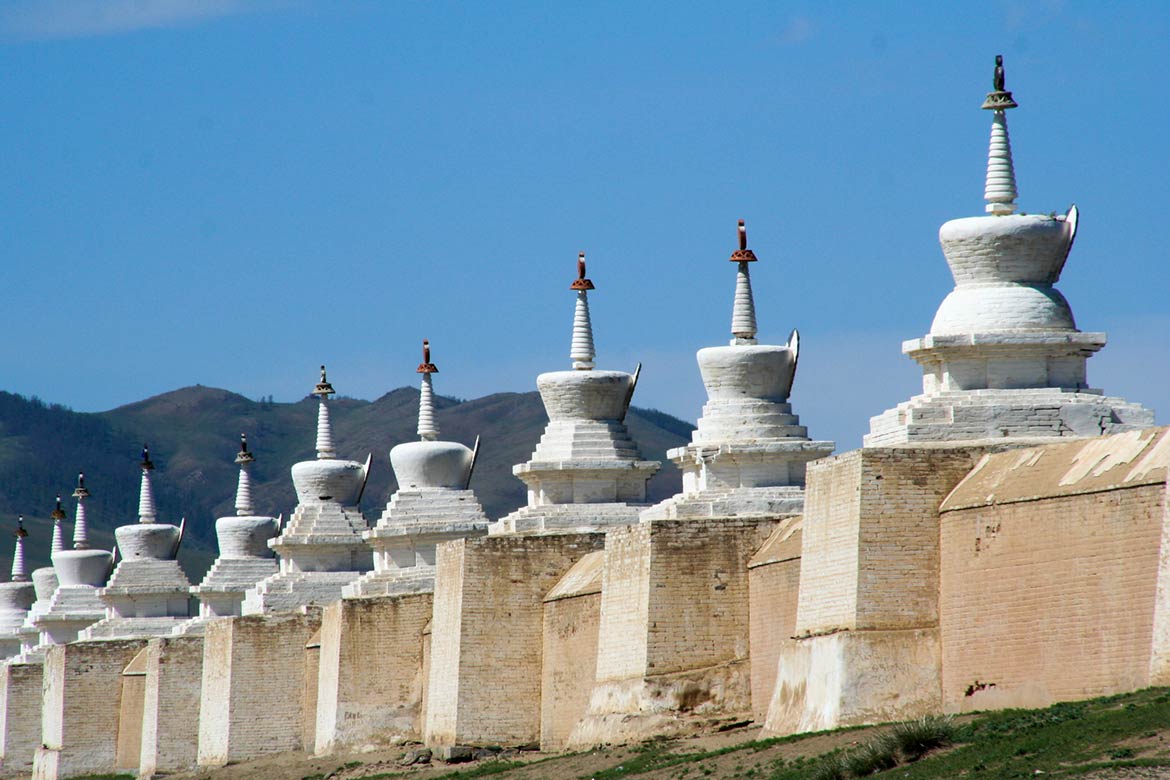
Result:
[{"x": 1003, "y": 358}]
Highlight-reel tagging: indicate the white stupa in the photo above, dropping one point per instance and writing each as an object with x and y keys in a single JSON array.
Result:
[
  {"x": 82, "y": 573},
  {"x": 1004, "y": 357},
  {"x": 44, "y": 583},
  {"x": 433, "y": 504},
  {"x": 244, "y": 556},
  {"x": 16, "y": 598},
  {"x": 586, "y": 472},
  {"x": 148, "y": 593},
  {"x": 748, "y": 453},
  {"x": 321, "y": 548}
]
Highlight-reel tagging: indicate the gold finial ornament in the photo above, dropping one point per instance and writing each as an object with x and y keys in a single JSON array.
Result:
[
  {"x": 426, "y": 366},
  {"x": 743, "y": 254},
  {"x": 581, "y": 283}
]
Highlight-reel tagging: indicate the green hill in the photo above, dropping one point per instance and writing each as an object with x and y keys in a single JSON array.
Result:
[{"x": 194, "y": 433}]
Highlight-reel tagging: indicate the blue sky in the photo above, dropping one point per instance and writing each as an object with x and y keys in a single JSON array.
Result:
[{"x": 230, "y": 192}]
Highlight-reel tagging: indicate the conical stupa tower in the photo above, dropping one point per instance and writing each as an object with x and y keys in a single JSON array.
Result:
[
  {"x": 321, "y": 548},
  {"x": 748, "y": 453},
  {"x": 44, "y": 583},
  {"x": 1004, "y": 358},
  {"x": 147, "y": 594},
  {"x": 244, "y": 556},
  {"x": 82, "y": 573},
  {"x": 16, "y": 598},
  {"x": 433, "y": 504},
  {"x": 586, "y": 472}
]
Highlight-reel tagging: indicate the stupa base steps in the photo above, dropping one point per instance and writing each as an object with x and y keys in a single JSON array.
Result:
[
  {"x": 72, "y": 609},
  {"x": 389, "y": 583},
  {"x": 566, "y": 518},
  {"x": 130, "y": 628},
  {"x": 290, "y": 590},
  {"x": 849, "y": 678},
  {"x": 666, "y": 705},
  {"x": 1027, "y": 414},
  {"x": 734, "y": 503}
]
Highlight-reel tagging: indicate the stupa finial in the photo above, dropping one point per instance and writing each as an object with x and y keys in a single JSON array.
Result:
[
  {"x": 743, "y": 310},
  {"x": 57, "y": 516},
  {"x": 245, "y": 459},
  {"x": 19, "y": 572},
  {"x": 146, "y": 510},
  {"x": 581, "y": 351},
  {"x": 427, "y": 430},
  {"x": 1000, "y": 188},
  {"x": 80, "y": 528},
  {"x": 323, "y": 390}
]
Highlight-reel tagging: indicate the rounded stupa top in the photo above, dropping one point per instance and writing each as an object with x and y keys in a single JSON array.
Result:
[
  {"x": 57, "y": 515},
  {"x": 1000, "y": 186},
  {"x": 325, "y": 448},
  {"x": 244, "y": 459},
  {"x": 80, "y": 527},
  {"x": 245, "y": 535},
  {"x": 427, "y": 430},
  {"x": 581, "y": 351},
  {"x": 743, "y": 310},
  {"x": 430, "y": 463},
  {"x": 19, "y": 572},
  {"x": 146, "y": 509},
  {"x": 327, "y": 478}
]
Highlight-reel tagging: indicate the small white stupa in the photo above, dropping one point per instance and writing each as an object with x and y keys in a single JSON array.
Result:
[
  {"x": 433, "y": 504},
  {"x": 148, "y": 593},
  {"x": 44, "y": 583},
  {"x": 748, "y": 453},
  {"x": 244, "y": 557},
  {"x": 1004, "y": 357},
  {"x": 586, "y": 472},
  {"x": 82, "y": 573},
  {"x": 16, "y": 598},
  {"x": 321, "y": 548}
]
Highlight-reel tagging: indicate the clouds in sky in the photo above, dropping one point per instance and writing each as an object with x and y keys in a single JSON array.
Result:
[{"x": 42, "y": 19}]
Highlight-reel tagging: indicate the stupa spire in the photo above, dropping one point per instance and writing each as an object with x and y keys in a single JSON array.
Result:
[
  {"x": 146, "y": 510},
  {"x": 427, "y": 430},
  {"x": 19, "y": 572},
  {"x": 245, "y": 459},
  {"x": 1000, "y": 188},
  {"x": 581, "y": 352},
  {"x": 57, "y": 516},
  {"x": 80, "y": 528},
  {"x": 325, "y": 449},
  {"x": 743, "y": 310}
]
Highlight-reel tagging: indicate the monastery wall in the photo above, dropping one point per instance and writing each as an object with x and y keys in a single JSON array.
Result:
[
  {"x": 773, "y": 588},
  {"x": 20, "y": 715},
  {"x": 1051, "y": 573},
  {"x": 81, "y": 706},
  {"x": 170, "y": 706},
  {"x": 252, "y": 699},
  {"x": 487, "y": 640},
  {"x": 572, "y": 616},
  {"x": 312, "y": 675},
  {"x": 129, "y": 748},
  {"x": 370, "y": 670}
]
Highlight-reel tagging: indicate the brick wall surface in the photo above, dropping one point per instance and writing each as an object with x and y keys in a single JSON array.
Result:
[
  {"x": 170, "y": 711},
  {"x": 625, "y": 603},
  {"x": 370, "y": 675},
  {"x": 128, "y": 752},
  {"x": 491, "y": 682},
  {"x": 569, "y": 665},
  {"x": 1051, "y": 599},
  {"x": 20, "y": 715},
  {"x": 82, "y": 703},
  {"x": 253, "y": 685},
  {"x": 773, "y": 588},
  {"x": 312, "y": 686}
]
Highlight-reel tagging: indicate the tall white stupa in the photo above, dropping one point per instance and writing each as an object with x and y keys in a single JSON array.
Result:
[
  {"x": 148, "y": 593},
  {"x": 16, "y": 598},
  {"x": 82, "y": 573},
  {"x": 321, "y": 548},
  {"x": 1004, "y": 357},
  {"x": 433, "y": 504},
  {"x": 586, "y": 472},
  {"x": 44, "y": 583},
  {"x": 244, "y": 556},
  {"x": 748, "y": 454}
]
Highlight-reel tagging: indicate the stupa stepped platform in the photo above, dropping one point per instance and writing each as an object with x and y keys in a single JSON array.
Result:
[
  {"x": 585, "y": 440},
  {"x": 288, "y": 591},
  {"x": 562, "y": 518},
  {"x": 233, "y": 574},
  {"x": 71, "y": 603},
  {"x": 427, "y": 511},
  {"x": 323, "y": 521},
  {"x": 1027, "y": 413},
  {"x": 147, "y": 576},
  {"x": 130, "y": 628},
  {"x": 740, "y": 502}
]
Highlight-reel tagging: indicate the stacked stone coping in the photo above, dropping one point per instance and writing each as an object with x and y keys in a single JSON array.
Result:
[
  {"x": 321, "y": 548},
  {"x": 586, "y": 472},
  {"x": 748, "y": 453},
  {"x": 433, "y": 504},
  {"x": 147, "y": 595},
  {"x": 244, "y": 557},
  {"x": 1004, "y": 357}
]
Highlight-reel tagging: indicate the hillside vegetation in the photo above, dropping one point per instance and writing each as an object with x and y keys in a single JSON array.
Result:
[{"x": 194, "y": 434}]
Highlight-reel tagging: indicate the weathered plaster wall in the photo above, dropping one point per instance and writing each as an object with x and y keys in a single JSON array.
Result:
[
  {"x": 20, "y": 715},
  {"x": 572, "y": 613},
  {"x": 253, "y": 689},
  {"x": 370, "y": 671},
  {"x": 773, "y": 588},
  {"x": 170, "y": 710},
  {"x": 487, "y": 635}
]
